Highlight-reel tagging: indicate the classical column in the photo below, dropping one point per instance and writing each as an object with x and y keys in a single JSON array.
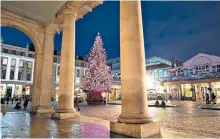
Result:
[
  {"x": 47, "y": 70},
  {"x": 67, "y": 68},
  {"x": 198, "y": 93},
  {"x": 134, "y": 119},
  {"x": 36, "y": 83}
]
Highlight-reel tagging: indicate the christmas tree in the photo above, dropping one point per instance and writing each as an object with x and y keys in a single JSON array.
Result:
[{"x": 98, "y": 75}]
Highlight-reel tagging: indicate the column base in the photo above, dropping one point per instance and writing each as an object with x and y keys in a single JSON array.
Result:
[
  {"x": 65, "y": 114},
  {"x": 136, "y": 130},
  {"x": 134, "y": 118}
]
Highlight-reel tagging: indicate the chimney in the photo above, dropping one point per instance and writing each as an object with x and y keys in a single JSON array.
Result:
[
  {"x": 177, "y": 63},
  {"x": 180, "y": 63},
  {"x": 172, "y": 61}
]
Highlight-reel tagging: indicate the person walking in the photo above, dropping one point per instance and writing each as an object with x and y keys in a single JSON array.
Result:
[
  {"x": 25, "y": 103},
  {"x": 207, "y": 98},
  {"x": 213, "y": 98},
  {"x": 77, "y": 103},
  {"x": 7, "y": 100}
]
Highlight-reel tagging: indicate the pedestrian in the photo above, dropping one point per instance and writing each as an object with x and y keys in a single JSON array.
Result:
[
  {"x": 156, "y": 103},
  {"x": 77, "y": 103},
  {"x": 2, "y": 101},
  {"x": 207, "y": 98},
  {"x": 213, "y": 98},
  {"x": 17, "y": 106},
  {"x": 163, "y": 104},
  {"x": 170, "y": 97},
  {"x": 25, "y": 103},
  {"x": 7, "y": 100}
]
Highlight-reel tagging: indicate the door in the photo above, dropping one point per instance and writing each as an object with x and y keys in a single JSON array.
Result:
[{"x": 9, "y": 91}]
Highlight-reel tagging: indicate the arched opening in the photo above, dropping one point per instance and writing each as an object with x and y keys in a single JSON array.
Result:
[{"x": 18, "y": 64}]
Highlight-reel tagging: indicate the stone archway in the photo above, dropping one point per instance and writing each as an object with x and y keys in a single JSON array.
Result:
[{"x": 36, "y": 33}]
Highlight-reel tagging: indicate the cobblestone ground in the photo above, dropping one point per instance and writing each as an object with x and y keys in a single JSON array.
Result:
[{"x": 186, "y": 117}]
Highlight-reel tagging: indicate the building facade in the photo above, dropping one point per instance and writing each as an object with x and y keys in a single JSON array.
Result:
[
  {"x": 156, "y": 68},
  {"x": 17, "y": 70},
  {"x": 194, "y": 78}
]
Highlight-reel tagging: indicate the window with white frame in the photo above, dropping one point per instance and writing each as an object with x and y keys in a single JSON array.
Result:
[
  {"x": 21, "y": 63},
  {"x": 4, "y": 61},
  {"x": 13, "y": 62},
  {"x": 77, "y": 72}
]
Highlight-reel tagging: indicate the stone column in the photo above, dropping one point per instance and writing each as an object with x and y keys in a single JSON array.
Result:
[
  {"x": 134, "y": 119},
  {"x": 67, "y": 68},
  {"x": 47, "y": 70},
  {"x": 37, "y": 82},
  {"x": 199, "y": 93}
]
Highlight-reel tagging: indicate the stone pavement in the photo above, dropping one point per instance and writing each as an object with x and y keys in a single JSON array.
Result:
[
  {"x": 210, "y": 106},
  {"x": 186, "y": 120},
  {"x": 25, "y": 125},
  {"x": 150, "y": 103}
]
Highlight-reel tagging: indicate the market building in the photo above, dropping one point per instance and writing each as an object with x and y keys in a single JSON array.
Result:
[
  {"x": 194, "y": 78},
  {"x": 156, "y": 70}
]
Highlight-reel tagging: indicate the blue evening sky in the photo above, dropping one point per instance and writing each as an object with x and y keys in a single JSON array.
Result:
[{"x": 179, "y": 29}]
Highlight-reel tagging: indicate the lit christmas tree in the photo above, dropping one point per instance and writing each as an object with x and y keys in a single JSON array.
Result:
[{"x": 98, "y": 75}]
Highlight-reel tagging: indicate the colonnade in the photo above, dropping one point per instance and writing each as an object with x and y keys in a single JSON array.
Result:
[{"x": 134, "y": 119}]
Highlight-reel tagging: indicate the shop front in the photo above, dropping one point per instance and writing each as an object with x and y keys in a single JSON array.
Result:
[
  {"x": 15, "y": 90},
  {"x": 188, "y": 92},
  {"x": 216, "y": 91},
  {"x": 115, "y": 93}
]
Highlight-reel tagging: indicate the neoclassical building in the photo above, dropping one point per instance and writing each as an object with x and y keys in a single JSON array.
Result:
[
  {"x": 17, "y": 68},
  {"x": 192, "y": 80}
]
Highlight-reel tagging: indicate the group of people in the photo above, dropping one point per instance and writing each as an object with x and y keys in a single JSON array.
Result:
[
  {"x": 157, "y": 104},
  {"x": 209, "y": 98},
  {"x": 17, "y": 101}
]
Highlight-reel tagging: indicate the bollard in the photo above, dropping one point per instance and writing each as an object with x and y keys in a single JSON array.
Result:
[{"x": 4, "y": 110}]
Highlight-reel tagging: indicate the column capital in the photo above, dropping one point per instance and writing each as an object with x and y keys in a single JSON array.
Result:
[
  {"x": 70, "y": 10},
  {"x": 52, "y": 28}
]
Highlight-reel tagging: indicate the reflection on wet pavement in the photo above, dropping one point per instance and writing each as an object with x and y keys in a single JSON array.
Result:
[
  {"x": 186, "y": 119},
  {"x": 25, "y": 125}
]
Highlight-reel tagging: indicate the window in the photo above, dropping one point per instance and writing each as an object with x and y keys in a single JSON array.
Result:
[
  {"x": 21, "y": 63},
  {"x": 29, "y": 65},
  {"x": 4, "y": 61},
  {"x": 20, "y": 75},
  {"x": 77, "y": 72},
  {"x": 22, "y": 53},
  {"x": 5, "y": 50},
  {"x": 14, "y": 52},
  {"x": 3, "y": 74},
  {"x": 13, "y": 62},
  {"x": 30, "y": 55},
  {"x": 58, "y": 70},
  {"x": 55, "y": 59},
  {"x": 28, "y": 77},
  {"x": 12, "y": 75},
  {"x": 77, "y": 64},
  {"x": 82, "y": 64},
  {"x": 58, "y": 59}
]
